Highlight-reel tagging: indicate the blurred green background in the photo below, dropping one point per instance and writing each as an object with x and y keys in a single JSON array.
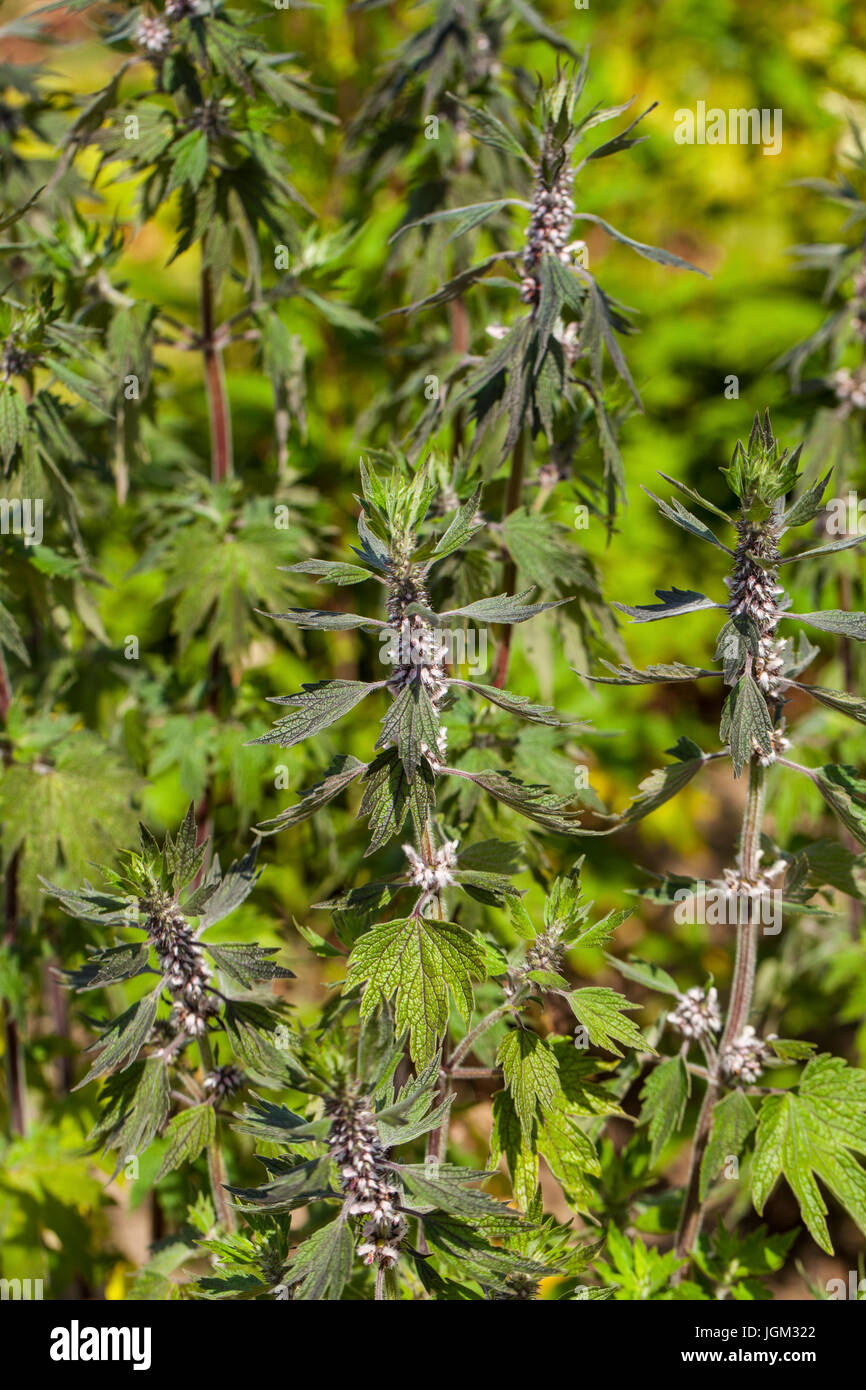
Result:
[{"x": 731, "y": 210}]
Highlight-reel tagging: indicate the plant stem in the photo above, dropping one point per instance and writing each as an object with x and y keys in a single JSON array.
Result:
[
  {"x": 17, "y": 1078},
  {"x": 459, "y": 345},
  {"x": 474, "y": 1033},
  {"x": 218, "y": 402},
  {"x": 739, "y": 1007},
  {"x": 509, "y": 578},
  {"x": 215, "y": 1166},
  {"x": 437, "y": 1139}
]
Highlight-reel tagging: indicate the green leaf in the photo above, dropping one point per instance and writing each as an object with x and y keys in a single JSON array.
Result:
[
  {"x": 644, "y": 972},
  {"x": 659, "y": 787},
  {"x": 413, "y": 725},
  {"x": 13, "y": 422},
  {"x": 123, "y": 1039},
  {"x": 472, "y": 215},
  {"x": 653, "y": 675},
  {"x": 834, "y": 620},
  {"x": 650, "y": 253},
  {"x": 462, "y": 528},
  {"x": 745, "y": 720},
  {"x": 10, "y": 636},
  {"x": 846, "y": 544},
  {"x": 190, "y": 160},
  {"x": 447, "y": 1191},
  {"x": 810, "y": 1134},
  {"x": 680, "y": 516},
  {"x": 324, "y": 620},
  {"x": 530, "y": 1073},
  {"x": 298, "y": 1184},
  {"x": 334, "y": 571},
  {"x": 226, "y": 893},
  {"x": 602, "y": 1013},
  {"x": 664, "y": 1095},
  {"x": 514, "y": 704},
  {"x": 389, "y": 794},
  {"x": 503, "y": 608},
  {"x": 342, "y": 772},
  {"x": 845, "y": 792},
  {"x": 247, "y": 964},
  {"x": 322, "y": 1265},
  {"x": 417, "y": 961},
  {"x": 694, "y": 496},
  {"x": 183, "y": 856},
  {"x": 508, "y": 1140},
  {"x": 317, "y": 707},
  {"x": 134, "y": 1106},
  {"x": 854, "y": 706},
  {"x": 470, "y": 1256},
  {"x": 108, "y": 967},
  {"x": 807, "y": 507},
  {"x": 188, "y": 1133},
  {"x": 673, "y": 602},
  {"x": 537, "y": 803}
]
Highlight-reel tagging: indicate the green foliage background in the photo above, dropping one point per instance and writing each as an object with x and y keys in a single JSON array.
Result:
[{"x": 136, "y": 739}]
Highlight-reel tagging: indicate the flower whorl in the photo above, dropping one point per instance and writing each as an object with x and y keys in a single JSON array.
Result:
[
  {"x": 181, "y": 960},
  {"x": 365, "y": 1178},
  {"x": 551, "y": 218}
]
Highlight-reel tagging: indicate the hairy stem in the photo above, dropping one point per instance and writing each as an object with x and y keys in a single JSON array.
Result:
[
  {"x": 215, "y": 1165},
  {"x": 509, "y": 578},
  {"x": 17, "y": 1082},
  {"x": 460, "y": 345},
  {"x": 17, "y": 1079},
  {"x": 437, "y": 1139},
  {"x": 739, "y": 1007},
  {"x": 218, "y": 402}
]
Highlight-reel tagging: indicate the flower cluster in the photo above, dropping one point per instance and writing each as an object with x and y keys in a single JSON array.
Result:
[
  {"x": 754, "y": 594},
  {"x": 181, "y": 960},
  {"x": 414, "y": 647},
  {"x": 181, "y": 9},
  {"x": 746, "y": 1057},
  {"x": 752, "y": 889},
  {"x": 366, "y": 1179},
  {"x": 211, "y": 118},
  {"x": 546, "y": 952},
  {"x": 432, "y": 878},
  {"x": 697, "y": 1014},
  {"x": 153, "y": 35},
  {"x": 551, "y": 220},
  {"x": 14, "y": 361},
  {"x": 850, "y": 388},
  {"x": 521, "y": 1288},
  {"x": 224, "y": 1081}
]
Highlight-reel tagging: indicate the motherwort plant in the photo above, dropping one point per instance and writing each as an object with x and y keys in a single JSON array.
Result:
[
  {"x": 811, "y": 1129},
  {"x": 419, "y": 969},
  {"x": 159, "y": 1062},
  {"x": 523, "y": 378}
]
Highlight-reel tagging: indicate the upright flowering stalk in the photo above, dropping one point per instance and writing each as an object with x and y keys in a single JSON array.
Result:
[
  {"x": 400, "y": 546},
  {"x": 150, "y": 1086},
  {"x": 407, "y": 972},
  {"x": 761, "y": 668},
  {"x": 418, "y": 1229},
  {"x": 536, "y": 394}
]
